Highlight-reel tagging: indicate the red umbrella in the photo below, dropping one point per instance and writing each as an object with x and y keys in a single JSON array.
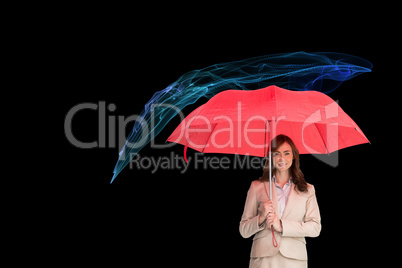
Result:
[{"x": 245, "y": 122}]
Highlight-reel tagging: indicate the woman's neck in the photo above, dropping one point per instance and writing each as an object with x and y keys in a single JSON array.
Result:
[{"x": 282, "y": 177}]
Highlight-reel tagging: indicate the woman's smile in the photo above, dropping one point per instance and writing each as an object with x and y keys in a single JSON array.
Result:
[{"x": 281, "y": 165}]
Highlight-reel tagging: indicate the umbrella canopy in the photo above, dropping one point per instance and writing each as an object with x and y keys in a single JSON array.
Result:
[{"x": 244, "y": 122}]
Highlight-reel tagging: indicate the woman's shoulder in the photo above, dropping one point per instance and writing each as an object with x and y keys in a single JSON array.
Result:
[
  {"x": 310, "y": 189},
  {"x": 256, "y": 184}
]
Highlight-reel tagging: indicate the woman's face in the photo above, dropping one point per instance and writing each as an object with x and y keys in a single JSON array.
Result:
[{"x": 283, "y": 157}]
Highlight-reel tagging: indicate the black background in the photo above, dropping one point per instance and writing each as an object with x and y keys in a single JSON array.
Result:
[{"x": 191, "y": 219}]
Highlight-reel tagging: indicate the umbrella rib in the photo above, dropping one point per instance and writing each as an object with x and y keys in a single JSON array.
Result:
[
  {"x": 323, "y": 141},
  {"x": 209, "y": 137},
  {"x": 265, "y": 141}
]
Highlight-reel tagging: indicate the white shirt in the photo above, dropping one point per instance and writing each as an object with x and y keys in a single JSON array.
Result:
[{"x": 282, "y": 194}]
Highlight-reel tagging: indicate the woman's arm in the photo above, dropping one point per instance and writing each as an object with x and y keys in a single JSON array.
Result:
[
  {"x": 311, "y": 226},
  {"x": 249, "y": 224}
]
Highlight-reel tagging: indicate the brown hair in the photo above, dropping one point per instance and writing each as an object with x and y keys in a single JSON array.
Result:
[{"x": 295, "y": 172}]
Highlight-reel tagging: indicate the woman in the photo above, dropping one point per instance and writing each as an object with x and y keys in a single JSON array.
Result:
[{"x": 293, "y": 212}]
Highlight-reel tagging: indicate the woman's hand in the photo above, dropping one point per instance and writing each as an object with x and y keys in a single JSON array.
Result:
[
  {"x": 268, "y": 209},
  {"x": 273, "y": 220}
]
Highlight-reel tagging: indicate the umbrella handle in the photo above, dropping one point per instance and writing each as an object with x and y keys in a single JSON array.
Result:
[
  {"x": 274, "y": 242},
  {"x": 185, "y": 153}
]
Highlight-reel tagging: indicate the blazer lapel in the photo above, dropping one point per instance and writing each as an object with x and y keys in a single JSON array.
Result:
[{"x": 292, "y": 197}]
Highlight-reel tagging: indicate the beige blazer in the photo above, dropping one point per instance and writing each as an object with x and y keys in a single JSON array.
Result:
[{"x": 300, "y": 218}]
